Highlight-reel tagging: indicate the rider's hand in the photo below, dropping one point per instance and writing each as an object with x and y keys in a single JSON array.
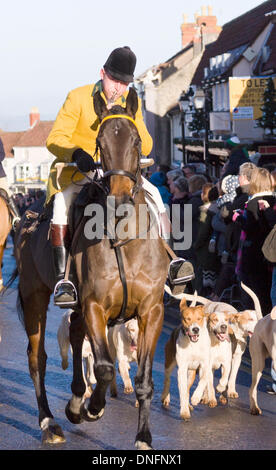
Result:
[{"x": 83, "y": 160}]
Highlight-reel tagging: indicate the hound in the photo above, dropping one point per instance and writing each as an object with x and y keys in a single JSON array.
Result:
[
  {"x": 122, "y": 341},
  {"x": 189, "y": 349},
  {"x": 64, "y": 343},
  {"x": 261, "y": 346}
]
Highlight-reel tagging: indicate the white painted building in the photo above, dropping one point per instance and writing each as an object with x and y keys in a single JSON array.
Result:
[{"x": 27, "y": 163}]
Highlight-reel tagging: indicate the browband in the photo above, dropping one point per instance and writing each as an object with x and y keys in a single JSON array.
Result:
[{"x": 124, "y": 116}]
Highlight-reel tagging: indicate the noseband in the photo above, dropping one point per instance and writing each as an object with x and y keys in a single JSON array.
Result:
[{"x": 125, "y": 173}]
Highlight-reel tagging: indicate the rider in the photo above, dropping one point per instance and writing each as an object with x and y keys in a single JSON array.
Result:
[
  {"x": 4, "y": 185},
  {"x": 73, "y": 139}
]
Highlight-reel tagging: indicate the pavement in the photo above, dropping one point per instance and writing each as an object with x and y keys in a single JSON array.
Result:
[{"x": 231, "y": 427}]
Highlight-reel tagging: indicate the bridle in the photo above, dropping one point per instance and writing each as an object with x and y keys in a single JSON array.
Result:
[
  {"x": 125, "y": 173},
  {"x": 115, "y": 243}
]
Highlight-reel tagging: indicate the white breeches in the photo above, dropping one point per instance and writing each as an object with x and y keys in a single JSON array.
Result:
[{"x": 64, "y": 199}]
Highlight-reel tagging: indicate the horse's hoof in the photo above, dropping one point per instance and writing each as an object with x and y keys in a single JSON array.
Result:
[
  {"x": 87, "y": 416},
  {"x": 140, "y": 445},
  {"x": 52, "y": 434},
  {"x": 72, "y": 417}
]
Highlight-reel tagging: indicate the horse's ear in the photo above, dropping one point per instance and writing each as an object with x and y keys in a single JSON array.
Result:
[
  {"x": 100, "y": 106},
  {"x": 132, "y": 103}
]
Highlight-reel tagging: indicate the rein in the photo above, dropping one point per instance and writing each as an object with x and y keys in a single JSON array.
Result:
[
  {"x": 125, "y": 173},
  {"x": 115, "y": 243}
]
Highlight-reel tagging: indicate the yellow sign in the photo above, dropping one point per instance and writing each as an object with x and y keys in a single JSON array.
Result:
[{"x": 246, "y": 96}]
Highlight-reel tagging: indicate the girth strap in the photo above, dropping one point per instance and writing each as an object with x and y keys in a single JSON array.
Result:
[{"x": 121, "y": 317}]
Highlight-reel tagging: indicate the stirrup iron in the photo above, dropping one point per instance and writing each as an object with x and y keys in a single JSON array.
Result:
[{"x": 64, "y": 304}]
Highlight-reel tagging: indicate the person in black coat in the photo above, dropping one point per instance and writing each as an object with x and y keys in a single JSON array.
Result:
[
  {"x": 252, "y": 267},
  {"x": 180, "y": 197},
  {"x": 196, "y": 183},
  {"x": 238, "y": 155},
  {"x": 233, "y": 230}
]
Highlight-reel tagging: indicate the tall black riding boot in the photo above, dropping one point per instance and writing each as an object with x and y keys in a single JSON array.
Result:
[
  {"x": 14, "y": 211},
  {"x": 65, "y": 294}
]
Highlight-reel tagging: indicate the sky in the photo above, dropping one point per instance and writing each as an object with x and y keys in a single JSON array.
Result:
[{"x": 50, "y": 47}]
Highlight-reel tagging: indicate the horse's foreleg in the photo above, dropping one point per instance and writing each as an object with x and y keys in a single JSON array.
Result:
[
  {"x": 78, "y": 386},
  {"x": 35, "y": 313},
  {"x": 103, "y": 365},
  {"x": 149, "y": 331}
]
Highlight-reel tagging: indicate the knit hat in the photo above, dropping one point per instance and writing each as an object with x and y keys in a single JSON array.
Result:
[
  {"x": 121, "y": 64},
  {"x": 233, "y": 141},
  {"x": 229, "y": 185}
]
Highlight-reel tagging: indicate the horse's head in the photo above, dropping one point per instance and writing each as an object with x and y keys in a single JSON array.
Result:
[{"x": 119, "y": 143}]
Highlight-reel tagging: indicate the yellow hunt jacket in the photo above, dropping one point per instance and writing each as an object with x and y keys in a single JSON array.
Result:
[{"x": 76, "y": 126}]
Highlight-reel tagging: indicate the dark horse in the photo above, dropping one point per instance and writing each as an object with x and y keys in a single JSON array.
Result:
[{"x": 103, "y": 297}]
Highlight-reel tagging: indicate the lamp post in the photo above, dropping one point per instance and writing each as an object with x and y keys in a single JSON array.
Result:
[
  {"x": 184, "y": 102},
  {"x": 201, "y": 101}
]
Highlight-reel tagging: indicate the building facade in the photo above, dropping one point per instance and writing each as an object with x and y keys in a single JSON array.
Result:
[{"x": 27, "y": 163}]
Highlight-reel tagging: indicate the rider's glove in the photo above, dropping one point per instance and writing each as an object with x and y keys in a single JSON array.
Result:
[{"x": 83, "y": 160}]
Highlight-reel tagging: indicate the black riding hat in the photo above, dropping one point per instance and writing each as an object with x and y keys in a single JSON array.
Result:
[{"x": 121, "y": 64}]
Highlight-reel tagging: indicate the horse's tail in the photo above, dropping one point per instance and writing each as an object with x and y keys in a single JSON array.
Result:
[
  {"x": 19, "y": 308},
  {"x": 10, "y": 281}
]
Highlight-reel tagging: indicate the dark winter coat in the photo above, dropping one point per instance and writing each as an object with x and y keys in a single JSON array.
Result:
[
  {"x": 233, "y": 230},
  {"x": 195, "y": 201},
  {"x": 254, "y": 270},
  {"x": 237, "y": 157},
  {"x": 206, "y": 260},
  {"x": 180, "y": 203}
]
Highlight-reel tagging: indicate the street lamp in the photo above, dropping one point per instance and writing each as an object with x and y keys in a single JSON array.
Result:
[
  {"x": 184, "y": 102},
  {"x": 201, "y": 100}
]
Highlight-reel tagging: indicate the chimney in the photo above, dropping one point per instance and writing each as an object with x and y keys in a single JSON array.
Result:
[
  {"x": 34, "y": 116},
  {"x": 204, "y": 30}
]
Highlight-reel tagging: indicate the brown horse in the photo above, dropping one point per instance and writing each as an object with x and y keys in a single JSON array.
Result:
[
  {"x": 4, "y": 232},
  {"x": 106, "y": 292}
]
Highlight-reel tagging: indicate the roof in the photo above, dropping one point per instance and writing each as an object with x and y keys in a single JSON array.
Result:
[
  {"x": 270, "y": 64},
  {"x": 9, "y": 140},
  {"x": 36, "y": 136},
  {"x": 239, "y": 32}
]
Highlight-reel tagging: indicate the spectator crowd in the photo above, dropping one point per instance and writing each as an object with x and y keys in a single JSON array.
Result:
[
  {"x": 231, "y": 217},
  {"x": 24, "y": 201}
]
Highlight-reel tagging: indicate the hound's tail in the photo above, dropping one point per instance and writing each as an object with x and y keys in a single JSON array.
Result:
[
  {"x": 255, "y": 299},
  {"x": 194, "y": 298}
]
